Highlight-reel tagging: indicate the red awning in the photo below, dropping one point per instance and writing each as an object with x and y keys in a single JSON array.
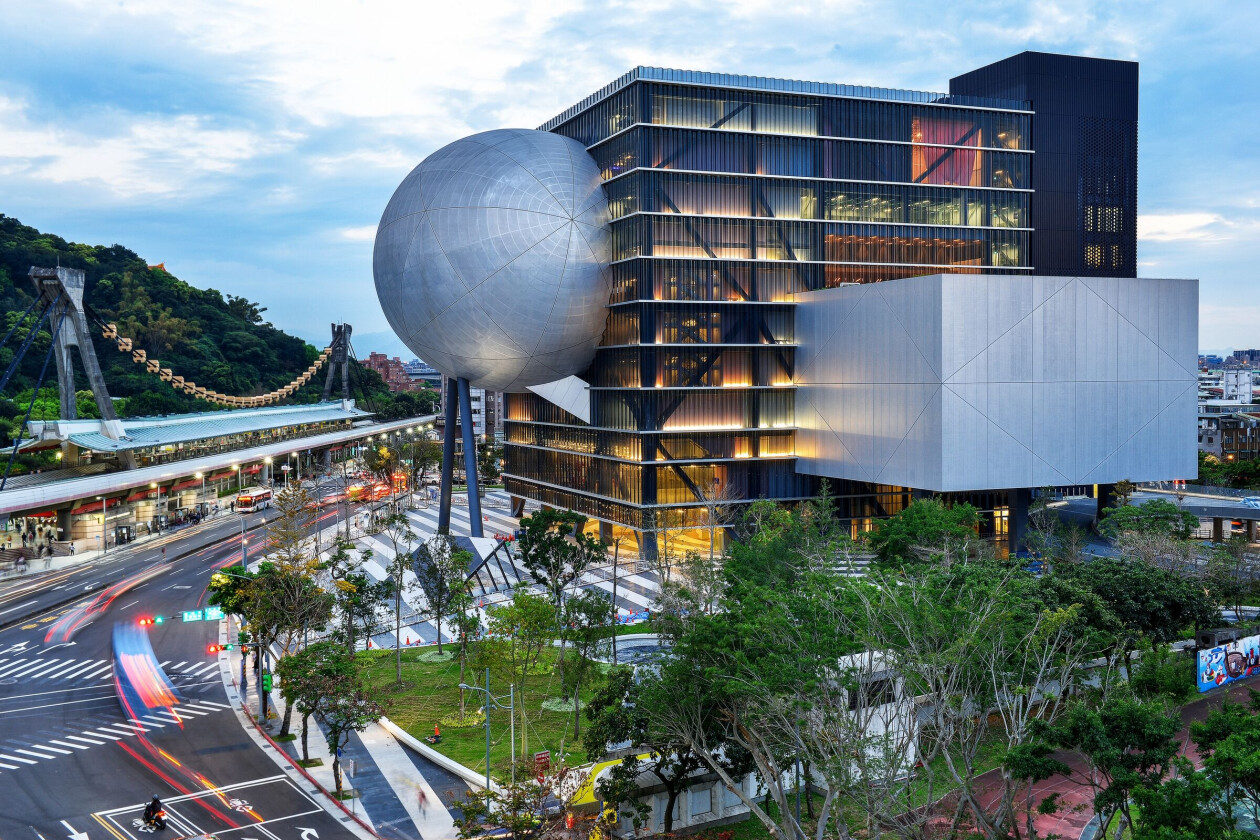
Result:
[
  {"x": 253, "y": 469},
  {"x": 221, "y": 475},
  {"x": 136, "y": 495},
  {"x": 184, "y": 485},
  {"x": 93, "y": 506}
]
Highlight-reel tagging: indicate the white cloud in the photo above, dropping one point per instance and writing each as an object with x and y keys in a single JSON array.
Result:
[
  {"x": 1179, "y": 227},
  {"x": 363, "y": 233},
  {"x": 145, "y": 156}
]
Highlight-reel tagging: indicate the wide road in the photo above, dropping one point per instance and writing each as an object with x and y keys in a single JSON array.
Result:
[{"x": 74, "y": 765}]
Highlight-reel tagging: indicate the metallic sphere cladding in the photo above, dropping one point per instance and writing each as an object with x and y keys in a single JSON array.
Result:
[{"x": 491, "y": 259}]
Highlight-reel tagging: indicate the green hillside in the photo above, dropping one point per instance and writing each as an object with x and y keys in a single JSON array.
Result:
[{"x": 221, "y": 342}]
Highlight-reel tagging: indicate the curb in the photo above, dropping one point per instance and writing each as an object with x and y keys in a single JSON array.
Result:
[
  {"x": 234, "y": 697},
  {"x": 450, "y": 765}
]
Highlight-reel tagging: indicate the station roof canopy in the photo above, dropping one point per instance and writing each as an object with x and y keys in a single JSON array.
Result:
[{"x": 148, "y": 432}]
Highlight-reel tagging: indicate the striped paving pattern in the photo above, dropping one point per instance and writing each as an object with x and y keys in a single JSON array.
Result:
[
  {"x": 17, "y": 753},
  {"x": 636, "y": 591}
]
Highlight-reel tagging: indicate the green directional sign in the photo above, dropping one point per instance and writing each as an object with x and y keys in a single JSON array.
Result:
[
  {"x": 208, "y": 614},
  {"x": 213, "y": 613},
  {"x": 193, "y": 615}
]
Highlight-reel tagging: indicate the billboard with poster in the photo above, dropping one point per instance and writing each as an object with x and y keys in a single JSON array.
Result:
[{"x": 1227, "y": 662}]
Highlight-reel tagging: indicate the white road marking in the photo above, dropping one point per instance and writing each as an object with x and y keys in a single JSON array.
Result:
[
  {"x": 132, "y": 604},
  {"x": 161, "y": 725},
  {"x": 113, "y": 736},
  {"x": 16, "y": 758},
  {"x": 129, "y": 726},
  {"x": 47, "y": 748},
  {"x": 92, "y": 665},
  {"x": 212, "y": 703},
  {"x": 61, "y": 672},
  {"x": 184, "y": 709},
  {"x": 67, "y": 744},
  {"x": 9, "y": 766},
  {"x": 81, "y": 738},
  {"x": 177, "y": 667},
  {"x": 108, "y": 667},
  {"x": 37, "y": 755}
]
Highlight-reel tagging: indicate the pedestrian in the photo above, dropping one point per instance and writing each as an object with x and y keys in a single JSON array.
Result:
[
  {"x": 423, "y": 799},
  {"x": 233, "y": 505},
  {"x": 164, "y": 554},
  {"x": 72, "y": 547}
]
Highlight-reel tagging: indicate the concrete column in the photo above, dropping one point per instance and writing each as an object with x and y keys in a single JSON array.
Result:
[
  {"x": 1017, "y": 501},
  {"x": 606, "y": 532},
  {"x": 1250, "y": 525},
  {"x": 470, "y": 458},
  {"x": 448, "y": 458},
  {"x": 1218, "y": 529}
]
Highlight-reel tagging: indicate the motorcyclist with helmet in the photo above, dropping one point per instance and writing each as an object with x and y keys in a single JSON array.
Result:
[{"x": 154, "y": 813}]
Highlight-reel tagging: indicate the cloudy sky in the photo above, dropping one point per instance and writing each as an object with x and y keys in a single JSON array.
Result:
[{"x": 252, "y": 146}]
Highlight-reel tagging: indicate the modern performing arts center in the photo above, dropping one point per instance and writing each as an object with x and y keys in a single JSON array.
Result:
[{"x": 700, "y": 287}]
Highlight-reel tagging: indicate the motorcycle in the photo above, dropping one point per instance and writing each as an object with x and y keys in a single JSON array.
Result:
[{"x": 157, "y": 821}]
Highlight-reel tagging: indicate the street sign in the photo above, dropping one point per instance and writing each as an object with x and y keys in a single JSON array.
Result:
[
  {"x": 542, "y": 763},
  {"x": 208, "y": 614},
  {"x": 193, "y": 615}
]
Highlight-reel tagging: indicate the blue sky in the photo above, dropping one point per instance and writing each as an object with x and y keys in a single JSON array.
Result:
[{"x": 252, "y": 146}]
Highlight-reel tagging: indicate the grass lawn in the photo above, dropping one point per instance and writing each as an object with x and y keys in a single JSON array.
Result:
[{"x": 430, "y": 692}]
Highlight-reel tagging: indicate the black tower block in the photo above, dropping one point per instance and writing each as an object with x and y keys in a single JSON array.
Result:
[{"x": 1084, "y": 167}]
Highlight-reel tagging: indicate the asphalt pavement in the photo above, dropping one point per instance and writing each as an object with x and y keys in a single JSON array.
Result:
[{"x": 74, "y": 764}]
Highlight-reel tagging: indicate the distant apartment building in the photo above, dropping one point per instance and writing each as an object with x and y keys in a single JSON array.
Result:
[
  {"x": 487, "y": 411},
  {"x": 1230, "y": 437},
  {"x": 393, "y": 372},
  {"x": 423, "y": 373}
]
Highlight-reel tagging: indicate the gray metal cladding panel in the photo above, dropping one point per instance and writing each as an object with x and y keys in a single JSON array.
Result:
[
  {"x": 972, "y": 382},
  {"x": 491, "y": 259}
]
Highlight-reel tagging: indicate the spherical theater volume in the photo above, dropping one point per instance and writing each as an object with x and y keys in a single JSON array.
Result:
[{"x": 491, "y": 259}]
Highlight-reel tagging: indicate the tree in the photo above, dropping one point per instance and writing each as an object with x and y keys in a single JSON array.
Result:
[
  {"x": 1127, "y": 743},
  {"x": 1124, "y": 490},
  {"x": 357, "y": 598},
  {"x": 348, "y": 706},
  {"x": 556, "y": 552},
  {"x": 1186, "y": 807},
  {"x": 397, "y": 529},
  {"x": 441, "y": 571},
  {"x": 523, "y": 810},
  {"x": 928, "y": 531},
  {"x": 622, "y": 711},
  {"x": 421, "y": 455},
  {"x": 1149, "y": 603},
  {"x": 308, "y": 676},
  {"x": 589, "y": 620},
  {"x": 382, "y": 462},
  {"x": 1229, "y": 744},
  {"x": 1154, "y": 516},
  {"x": 287, "y": 604},
  {"x": 488, "y": 460},
  {"x": 520, "y": 631},
  {"x": 718, "y": 500}
]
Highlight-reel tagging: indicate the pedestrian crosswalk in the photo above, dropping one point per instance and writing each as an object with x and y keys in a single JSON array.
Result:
[
  {"x": 17, "y": 753},
  {"x": 38, "y": 668},
  {"x": 634, "y": 591}
]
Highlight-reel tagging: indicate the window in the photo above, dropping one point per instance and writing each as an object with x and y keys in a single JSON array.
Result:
[
  {"x": 700, "y": 800},
  {"x": 872, "y": 692}
]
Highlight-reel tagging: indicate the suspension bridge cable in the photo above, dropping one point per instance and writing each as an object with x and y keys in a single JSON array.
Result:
[
  {"x": 9, "y": 334},
  {"x": 21, "y": 351},
  {"x": 17, "y": 437}
]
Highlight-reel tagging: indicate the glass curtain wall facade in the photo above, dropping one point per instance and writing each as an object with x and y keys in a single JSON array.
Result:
[{"x": 729, "y": 195}]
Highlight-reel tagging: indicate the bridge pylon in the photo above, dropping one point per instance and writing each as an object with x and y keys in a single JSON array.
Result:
[{"x": 340, "y": 360}]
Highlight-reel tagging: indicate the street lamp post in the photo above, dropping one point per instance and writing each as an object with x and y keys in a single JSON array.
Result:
[
  {"x": 616, "y": 559},
  {"x": 104, "y": 536},
  {"x": 157, "y": 506},
  {"x": 237, "y": 467},
  {"x": 491, "y": 700},
  {"x": 202, "y": 500}
]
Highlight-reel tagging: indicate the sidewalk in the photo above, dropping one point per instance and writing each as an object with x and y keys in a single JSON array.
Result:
[
  {"x": 386, "y": 779},
  {"x": 1073, "y": 818}
]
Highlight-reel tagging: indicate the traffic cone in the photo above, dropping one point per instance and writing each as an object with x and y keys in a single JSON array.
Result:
[{"x": 369, "y": 644}]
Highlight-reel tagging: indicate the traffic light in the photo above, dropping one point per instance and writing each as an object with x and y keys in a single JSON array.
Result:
[
  {"x": 266, "y": 681},
  {"x": 146, "y": 620},
  {"x": 217, "y": 648}
]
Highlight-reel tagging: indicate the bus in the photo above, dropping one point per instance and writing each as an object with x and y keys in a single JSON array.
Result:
[{"x": 256, "y": 498}]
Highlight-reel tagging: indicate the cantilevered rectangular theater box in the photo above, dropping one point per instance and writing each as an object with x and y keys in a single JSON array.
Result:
[{"x": 969, "y": 382}]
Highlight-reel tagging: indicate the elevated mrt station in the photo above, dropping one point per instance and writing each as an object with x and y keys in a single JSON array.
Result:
[{"x": 184, "y": 465}]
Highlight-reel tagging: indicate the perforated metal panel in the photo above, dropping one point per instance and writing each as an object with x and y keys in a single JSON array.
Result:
[{"x": 491, "y": 259}]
